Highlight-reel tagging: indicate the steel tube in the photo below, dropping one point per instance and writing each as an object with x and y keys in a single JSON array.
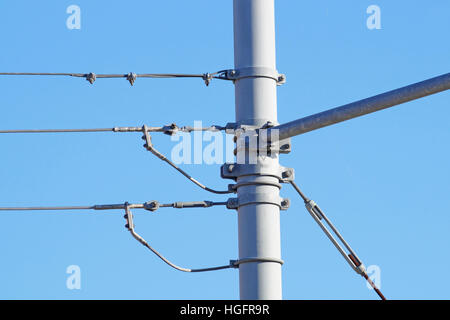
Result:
[{"x": 365, "y": 106}]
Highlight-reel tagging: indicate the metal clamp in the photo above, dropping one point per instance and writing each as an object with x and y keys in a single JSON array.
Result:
[
  {"x": 170, "y": 129},
  {"x": 207, "y": 77},
  {"x": 266, "y": 148},
  {"x": 263, "y": 180},
  {"x": 151, "y": 205},
  {"x": 256, "y": 72},
  {"x": 91, "y": 77},
  {"x": 235, "y": 170},
  {"x": 265, "y": 142},
  {"x": 237, "y": 263},
  {"x": 131, "y": 77},
  {"x": 254, "y": 198}
]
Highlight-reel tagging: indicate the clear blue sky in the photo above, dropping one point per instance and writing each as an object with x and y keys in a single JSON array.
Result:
[{"x": 383, "y": 179}]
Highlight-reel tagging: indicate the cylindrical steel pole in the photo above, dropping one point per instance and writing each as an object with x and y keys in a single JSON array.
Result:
[{"x": 256, "y": 104}]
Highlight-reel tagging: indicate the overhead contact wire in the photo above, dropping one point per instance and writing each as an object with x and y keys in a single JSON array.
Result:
[{"x": 130, "y": 224}]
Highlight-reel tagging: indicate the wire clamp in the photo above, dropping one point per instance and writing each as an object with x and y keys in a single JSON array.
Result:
[
  {"x": 131, "y": 77},
  {"x": 236, "y": 263},
  {"x": 91, "y": 77},
  {"x": 255, "y": 72},
  {"x": 171, "y": 129},
  {"x": 207, "y": 77},
  {"x": 258, "y": 138},
  {"x": 151, "y": 205},
  {"x": 235, "y": 170},
  {"x": 258, "y": 198}
]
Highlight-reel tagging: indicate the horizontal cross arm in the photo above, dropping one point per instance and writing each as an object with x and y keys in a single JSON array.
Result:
[{"x": 363, "y": 107}]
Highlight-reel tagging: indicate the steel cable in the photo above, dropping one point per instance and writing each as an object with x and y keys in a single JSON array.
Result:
[
  {"x": 169, "y": 129},
  {"x": 149, "y": 146},
  {"x": 131, "y": 77}
]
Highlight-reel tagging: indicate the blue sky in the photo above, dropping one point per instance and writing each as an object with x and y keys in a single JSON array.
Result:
[{"x": 383, "y": 179}]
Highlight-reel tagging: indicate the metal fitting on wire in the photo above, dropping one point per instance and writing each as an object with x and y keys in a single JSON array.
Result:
[
  {"x": 207, "y": 77},
  {"x": 151, "y": 205},
  {"x": 170, "y": 129},
  {"x": 131, "y": 77},
  {"x": 91, "y": 77}
]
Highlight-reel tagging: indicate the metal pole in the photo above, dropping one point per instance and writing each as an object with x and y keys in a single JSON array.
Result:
[
  {"x": 365, "y": 106},
  {"x": 256, "y": 104}
]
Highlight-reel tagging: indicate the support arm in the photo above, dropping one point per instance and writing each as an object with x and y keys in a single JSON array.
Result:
[{"x": 365, "y": 106}]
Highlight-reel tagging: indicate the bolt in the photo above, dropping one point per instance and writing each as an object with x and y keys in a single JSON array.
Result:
[
  {"x": 230, "y": 168},
  {"x": 269, "y": 124},
  {"x": 288, "y": 173}
]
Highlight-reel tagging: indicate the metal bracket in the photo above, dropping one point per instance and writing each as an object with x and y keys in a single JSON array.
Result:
[
  {"x": 255, "y": 72},
  {"x": 261, "y": 135},
  {"x": 235, "y": 170},
  {"x": 237, "y": 263},
  {"x": 282, "y": 147},
  {"x": 253, "y": 198}
]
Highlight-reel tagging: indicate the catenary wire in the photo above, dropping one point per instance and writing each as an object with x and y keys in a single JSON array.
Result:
[
  {"x": 170, "y": 129},
  {"x": 150, "y": 205},
  {"x": 131, "y": 77}
]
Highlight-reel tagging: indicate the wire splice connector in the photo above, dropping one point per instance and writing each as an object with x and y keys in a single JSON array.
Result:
[{"x": 131, "y": 77}]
